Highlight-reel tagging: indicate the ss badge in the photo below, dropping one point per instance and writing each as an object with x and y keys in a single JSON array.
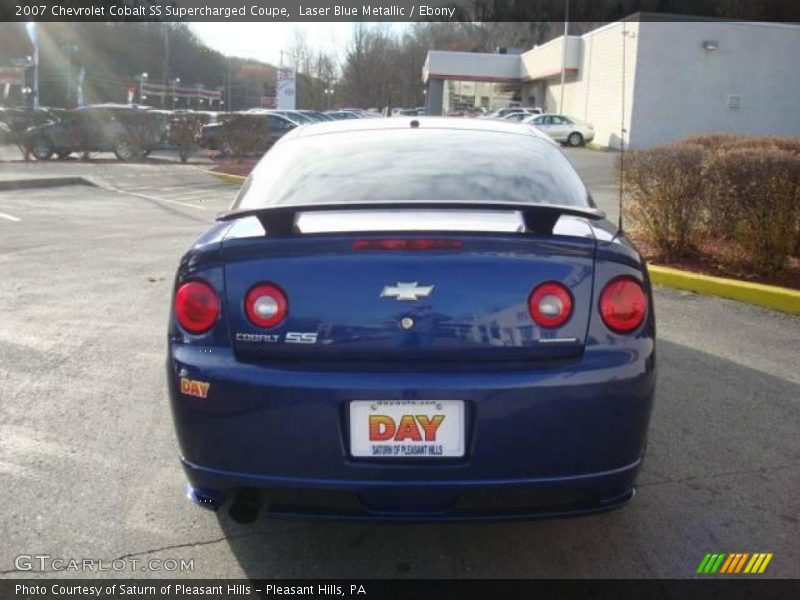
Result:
[{"x": 296, "y": 337}]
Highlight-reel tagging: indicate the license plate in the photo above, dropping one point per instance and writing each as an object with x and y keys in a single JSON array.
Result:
[{"x": 407, "y": 428}]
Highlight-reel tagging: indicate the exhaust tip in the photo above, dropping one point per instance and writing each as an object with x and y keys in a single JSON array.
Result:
[
  {"x": 208, "y": 499},
  {"x": 246, "y": 505}
]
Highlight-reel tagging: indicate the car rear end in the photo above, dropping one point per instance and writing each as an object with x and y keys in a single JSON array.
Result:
[{"x": 411, "y": 360}]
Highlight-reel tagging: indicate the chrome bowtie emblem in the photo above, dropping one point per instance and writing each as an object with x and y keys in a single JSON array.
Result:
[{"x": 406, "y": 291}]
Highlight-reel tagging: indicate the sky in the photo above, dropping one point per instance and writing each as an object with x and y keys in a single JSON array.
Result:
[{"x": 264, "y": 41}]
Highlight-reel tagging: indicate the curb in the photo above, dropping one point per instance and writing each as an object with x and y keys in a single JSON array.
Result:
[
  {"x": 43, "y": 182},
  {"x": 768, "y": 296},
  {"x": 227, "y": 177},
  {"x": 600, "y": 148}
]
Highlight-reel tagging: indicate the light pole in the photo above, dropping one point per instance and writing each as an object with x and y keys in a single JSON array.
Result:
[
  {"x": 174, "y": 84},
  {"x": 69, "y": 52},
  {"x": 142, "y": 80},
  {"x": 329, "y": 93},
  {"x": 166, "y": 63},
  {"x": 228, "y": 102},
  {"x": 622, "y": 128},
  {"x": 32, "y": 34}
]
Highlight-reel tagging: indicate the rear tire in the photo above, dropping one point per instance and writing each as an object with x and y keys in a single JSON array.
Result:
[
  {"x": 575, "y": 139},
  {"x": 126, "y": 150},
  {"x": 42, "y": 150}
]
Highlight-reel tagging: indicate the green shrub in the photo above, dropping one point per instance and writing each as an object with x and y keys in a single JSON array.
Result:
[
  {"x": 789, "y": 144},
  {"x": 18, "y": 121},
  {"x": 719, "y": 142},
  {"x": 760, "y": 188},
  {"x": 186, "y": 132},
  {"x": 661, "y": 189},
  {"x": 142, "y": 128},
  {"x": 243, "y": 134},
  {"x": 745, "y": 189},
  {"x": 711, "y": 141}
]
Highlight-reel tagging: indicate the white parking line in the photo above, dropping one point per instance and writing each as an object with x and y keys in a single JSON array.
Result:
[
  {"x": 156, "y": 198},
  {"x": 10, "y": 217}
]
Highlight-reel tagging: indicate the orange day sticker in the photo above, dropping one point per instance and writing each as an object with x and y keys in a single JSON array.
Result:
[{"x": 193, "y": 387}]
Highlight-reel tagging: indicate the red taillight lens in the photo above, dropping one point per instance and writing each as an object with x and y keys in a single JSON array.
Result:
[
  {"x": 196, "y": 306},
  {"x": 623, "y": 304},
  {"x": 266, "y": 305},
  {"x": 405, "y": 244},
  {"x": 550, "y": 304}
]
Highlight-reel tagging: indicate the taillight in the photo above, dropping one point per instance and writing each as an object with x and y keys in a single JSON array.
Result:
[
  {"x": 196, "y": 306},
  {"x": 623, "y": 304},
  {"x": 265, "y": 305},
  {"x": 407, "y": 244},
  {"x": 550, "y": 304}
]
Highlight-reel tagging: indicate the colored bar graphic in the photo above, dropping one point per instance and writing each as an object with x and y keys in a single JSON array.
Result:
[
  {"x": 717, "y": 564},
  {"x": 703, "y": 563},
  {"x": 741, "y": 562},
  {"x": 727, "y": 564},
  {"x": 749, "y": 567},
  {"x": 731, "y": 563},
  {"x": 765, "y": 563},
  {"x": 710, "y": 563},
  {"x": 734, "y": 562}
]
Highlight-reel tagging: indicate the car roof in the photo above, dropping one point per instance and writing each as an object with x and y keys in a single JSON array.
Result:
[
  {"x": 395, "y": 123},
  {"x": 112, "y": 106}
]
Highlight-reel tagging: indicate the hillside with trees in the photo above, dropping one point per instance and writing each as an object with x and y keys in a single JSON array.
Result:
[{"x": 114, "y": 55}]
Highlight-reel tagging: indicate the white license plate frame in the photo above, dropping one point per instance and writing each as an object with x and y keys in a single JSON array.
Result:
[{"x": 438, "y": 430}]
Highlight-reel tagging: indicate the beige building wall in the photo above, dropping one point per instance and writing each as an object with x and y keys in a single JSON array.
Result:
[{"x": 595, "y": 95}]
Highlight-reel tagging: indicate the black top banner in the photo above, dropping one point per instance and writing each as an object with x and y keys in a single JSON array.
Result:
[{"x": 396, "y": 10}]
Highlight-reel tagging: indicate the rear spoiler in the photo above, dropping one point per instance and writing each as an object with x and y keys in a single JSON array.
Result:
[{"x": 279, "y": 221}]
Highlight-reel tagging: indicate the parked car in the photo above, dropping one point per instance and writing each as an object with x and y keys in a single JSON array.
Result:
[
  {"x": 19, "y": 120},
  {"x": 279, "y": 125},
  {"x": 516, "y": 117},
  {"x": 364, "y": 114},
  {"x": 503, "y": 112},
  {"x": 459, "y": 336},
  {"x": 406, "y": 112},
  {"x": 5, "y": 134},
  {"x": 564, "y": 129},
  {"x": 295, "y": 116},
  {"x": 315, "y": 116},
  {"x": 211, "y": 116},
  {"x": 162, "y": 120},
  {"x": 338, "y": 115},
  {"x": 127, "y": 131}
]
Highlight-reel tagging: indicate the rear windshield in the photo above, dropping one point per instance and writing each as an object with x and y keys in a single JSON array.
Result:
[{"x": 413, "y": 165}]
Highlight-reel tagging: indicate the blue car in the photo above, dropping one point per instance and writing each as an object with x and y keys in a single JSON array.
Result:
[{"x": 412, "y": 319}]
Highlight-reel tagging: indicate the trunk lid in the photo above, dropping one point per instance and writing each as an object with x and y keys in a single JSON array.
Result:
[{"x": 453, "y": 305}]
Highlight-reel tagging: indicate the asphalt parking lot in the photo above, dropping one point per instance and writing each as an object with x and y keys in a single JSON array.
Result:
[{"x": 89, "y": 463}]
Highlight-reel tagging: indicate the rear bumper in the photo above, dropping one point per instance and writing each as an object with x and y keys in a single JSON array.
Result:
[
  {"x": 550, "y": 442},
  {"x": 469, "y": 500}
]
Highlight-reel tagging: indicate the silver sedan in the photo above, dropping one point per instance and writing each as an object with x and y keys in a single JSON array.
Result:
[{"x": 562, "y": 128}]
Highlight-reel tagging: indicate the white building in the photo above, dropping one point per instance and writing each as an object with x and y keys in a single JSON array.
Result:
[{"x": 679, "y": 78}]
